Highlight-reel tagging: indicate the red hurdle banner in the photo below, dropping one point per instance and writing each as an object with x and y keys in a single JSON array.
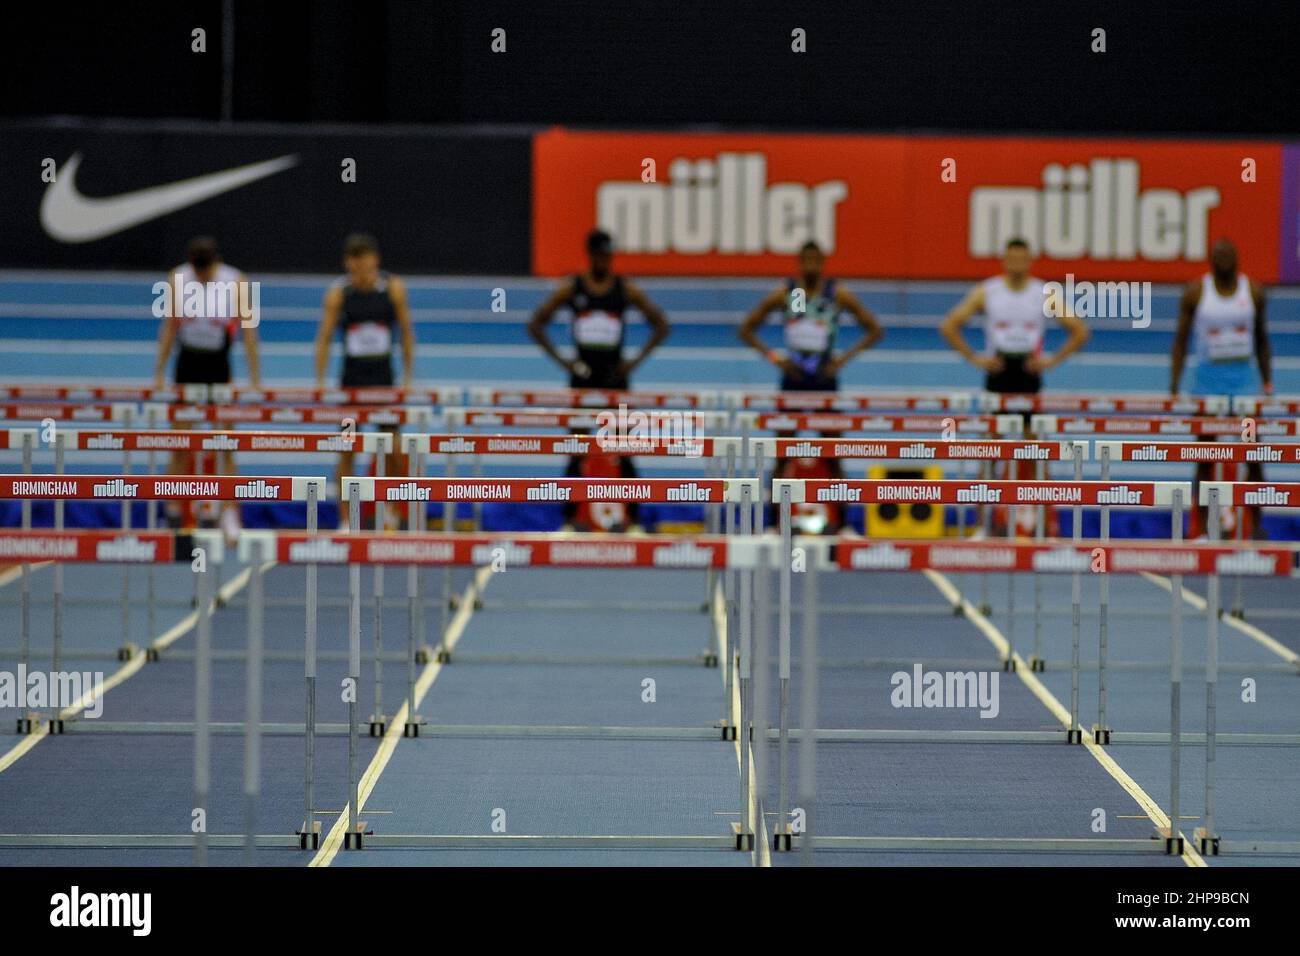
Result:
[
  {"x": 1266, "y": 407},
  {"x": 1064, "y": 557},
  {"x": 592, "y": 398},
  {"x": 159, "y": 487},
  {"x": 1098, "y": 404},
  {"x": 850, "y": 401},
  {"x": 515, "y": 550},
  {"x": 651, "y": 421},
  {"x": 473, "y": 444},
  {"x": 1257, "y": 494},
  {"x": 371, "y": 395},
  {"x": 1202, "y": 427},
  {"x": 103, "y": 393},
  {"x": 865, "y": 422},
  {"x": 1198, "y": 451},
  {"x": 1131, "y": 494},
  {"x": 290, "y": 415},
  {"x": 203, "y": 441},
  {"x": 135, "y": 547},
  {"x": 907, "y": 449},
  {"x": 67, "y": 412},
  {"x": 624, "y": 490}
]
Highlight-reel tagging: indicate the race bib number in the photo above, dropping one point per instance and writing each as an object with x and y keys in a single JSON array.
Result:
[
  {"x": 369, "y": 340},
  {"x": 202, "y": 335},
  {"x": 1015, "y": 338},
  {"x": 597, "y": 330},
  {"x": 1228, "y": 342},
  {"x": 807, "y": 335}
]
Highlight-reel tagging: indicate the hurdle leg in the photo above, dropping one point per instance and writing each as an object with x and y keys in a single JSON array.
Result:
[
  {"x": 1173, "y": 838},
  {"x": 309, "y": 835},
  {"x": 729, "y": 604},
  {"x": 1101, "y": 732},
  {"x": 448, "y": 525},
  {"x": 126, "y": 569},
  {"x": 1036, "y": 662},
  {"x": 762, "y": 638},
  {"x": 986, "y": 522},
  {"x": 202, "y": 714},
  {"x": 745, "y": 830},
  {"x": 56, "y": 724},
  {"x": 150, "y": 581},
  {"x": 25, "y": 718},
  {"x": 253, "y": 709},
  {"x": 415, "y": 617},
  {"x": 378, "y": 722},
  {"x": 808, "y": 715},
  {"x": 1075, "y": 734},
  {"x": 958, "y": 608},
  {"x": 355, "y": 829},
  {"x": 782, "y": 835},
  {"x": 1207, "y": 839}
]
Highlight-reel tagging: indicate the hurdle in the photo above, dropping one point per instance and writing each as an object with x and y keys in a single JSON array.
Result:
[
  {"x": 1235, "y": 493},
  {"x": 594, "y": 398},
  {"x": 216, "y": 488},
  {"x": 849, "y": 401},
  {"x": 1128, "y": 404},
  {"x": 858, "y": 555},
  {"x": 450, "y": 490}
]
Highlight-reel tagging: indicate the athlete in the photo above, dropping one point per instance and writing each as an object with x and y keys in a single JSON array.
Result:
[
  {"x": 1223, "y": 314},
  {"x": 597, "y": 299},
  {"x": 202, "y": 332},
  {"x": 1015, "y": 308},
  {"x": 368, "y": 306},
  {"x": 811, "y": 306}
]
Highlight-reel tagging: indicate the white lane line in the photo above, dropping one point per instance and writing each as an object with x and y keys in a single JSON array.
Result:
[
  {"x": 761, "y": 855},
  {"x": 1250, "y": 630},
  {"x": 126, "y": 671},
  {"x": 1144, "y": 800},
  {"x": 393, "y": 735}
]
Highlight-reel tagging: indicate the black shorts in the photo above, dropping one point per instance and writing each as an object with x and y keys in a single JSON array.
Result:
[
  {"x": 815, "y": 381},
  {"x": 195, "y": 367},
  {"x": 367, "y": 373},
  {"x": 604, "y": 374},
  {"x": 1014, "y": 379}
]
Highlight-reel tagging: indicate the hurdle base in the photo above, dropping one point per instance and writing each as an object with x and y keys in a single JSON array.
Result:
[
  {"x": 28, "y": 722},
  {"x": 1100, "y": 735},
  {"x": 1238, "y": 612},
  {"x": 1173, "y": 842},
  {"x": 378, "y": 725},
  {"x": 1206, "y": 842},
  {"x": 1037, "y": 665},
  {"x": 727, "y": 728},
  {"x": 781, "y": 842},
  {"x": 986, "y": 609},
  {"x": 1009, "y": 665},
  {"x": 709, "y": 659},
  {"x": 412, "y": 727},
  {"x": 309, "y": 835},
  {"x": 442, "y": 655},
  {"x": 127, "y": 651},
  {"x": 1074, "y": 735},
  {"x": 353, "y": 839},
  {"x": 152, "y": 654},
  {"x": 424, "y": 655},
  {"x": 958, "y": 610},
  {"x": 744, "y": 839},
  {"x": 57, "y": 726}
]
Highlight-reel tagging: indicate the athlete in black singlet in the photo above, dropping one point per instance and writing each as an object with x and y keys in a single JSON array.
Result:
[
  {"x": 367, "y": 306},
  {"x": 598, "y": 298}
]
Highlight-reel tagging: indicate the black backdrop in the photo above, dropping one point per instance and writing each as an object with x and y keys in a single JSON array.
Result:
[{"x": 1170, "y": 66}]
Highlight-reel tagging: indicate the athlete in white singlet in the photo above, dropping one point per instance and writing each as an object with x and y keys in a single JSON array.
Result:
[{"x": 1015, "y": 311}]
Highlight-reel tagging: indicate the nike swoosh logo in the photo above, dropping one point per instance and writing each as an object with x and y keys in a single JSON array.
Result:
[{"x": 69, "y": 216}]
